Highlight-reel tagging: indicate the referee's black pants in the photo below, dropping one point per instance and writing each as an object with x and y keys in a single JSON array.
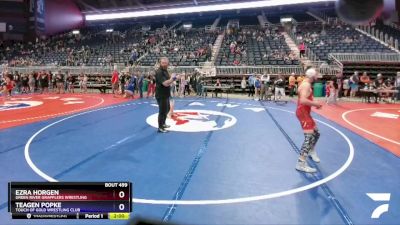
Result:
[{"x": 163, "y": 109}]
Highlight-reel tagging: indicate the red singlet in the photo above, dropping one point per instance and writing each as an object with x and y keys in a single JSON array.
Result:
[
  {"x": 303, "y": 113},
  {"x": 9, "y": 86}
]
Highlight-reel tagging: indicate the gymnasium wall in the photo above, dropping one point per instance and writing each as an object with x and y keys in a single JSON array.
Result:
[
  {"x": 13, "y": 13},
  {"x": 60, "y": 16}
]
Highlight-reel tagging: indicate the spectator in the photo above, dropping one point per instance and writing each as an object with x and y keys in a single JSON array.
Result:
[
  {"x": 31, "y": 83},
  {"x": 365, "y": 79},
  {"x": 114, "y": 82},
  {"x": 122, "y": 81},
  {"x": 339, "y": 84},
  {"x": 85, "y": 83},
  {"x": 354, "y": 80},
  {"x": 60, "y": 83},
  {"x": 302, "y": 48},
  {"x": 70, "y": 83},
  {"x": 387, "y": 85},
  {"x": 251, "y": 80},
  {"x": 182, "y": 85},
  {"x": 266, "y": 82},
  {"x": 44, "y": 83},
  {"x": 257, "y": 86},
  {"x": 292, "y": 83},
  {"x": 378, "y": 84},
  {"x": 299, "y": 80},
  {"x": 7, "y": 86},
  {"x": 172, "y": 99},
  {"x": 243, "y": 85},
  {"x": 397, "y": 86},
  {"x": 17, "y": 81},
  {"x": 187, "y": 84},
  {"x": 202, "y": 83},
  {"x": 217, "y": 90},
  {"x": 279, "y": 87},
  {"x": 146, "y": 84},
  {"x": 25, "y": 83},
  {"x": 133, "y": 57},
  {"x": 346, "y": 87},
  {"x": 80, "y": 79},
  {"x": 130, "y": 88},
  {"x": 152, "y": 86},
  {"x": 330, "y": 92},
  {"x": 140, "y": 84},
  {"x": 102, "y": 85}
]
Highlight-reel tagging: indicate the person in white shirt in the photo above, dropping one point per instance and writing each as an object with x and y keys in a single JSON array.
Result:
[
  {"x": 279, "y": 87},
  {"x": 346, "y": 87},
  {"x": 243, "y": 85},
  {"x": 265, "y": 78}
]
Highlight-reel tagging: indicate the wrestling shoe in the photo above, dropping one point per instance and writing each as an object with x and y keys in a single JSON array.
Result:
[
  {"x": 166, "y": 126},
  {"x": 304, "y": 167},
  {"x": 313, "y": 155},
  {"x": 162, "y": 130}
]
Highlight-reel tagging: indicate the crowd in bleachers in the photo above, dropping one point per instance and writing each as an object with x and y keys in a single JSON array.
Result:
[
  {"x": 87, "y": 48},
  {"x": 255, "y": 46},
  {"x": 184, "y": 48},
  {"x": 245, "y": 46}
]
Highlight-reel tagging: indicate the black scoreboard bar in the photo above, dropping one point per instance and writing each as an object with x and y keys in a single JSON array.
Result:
[{"x": 70, "y": 200}]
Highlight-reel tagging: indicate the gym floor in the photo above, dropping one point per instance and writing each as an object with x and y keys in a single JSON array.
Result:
[{"x": 226, "y": 161}]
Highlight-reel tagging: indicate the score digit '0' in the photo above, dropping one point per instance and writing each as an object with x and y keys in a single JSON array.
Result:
[{"x": 121, "y": 194}]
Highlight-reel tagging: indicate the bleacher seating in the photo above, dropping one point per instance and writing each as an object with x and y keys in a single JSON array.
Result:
[
  {"x": 391, "y": 31},
  {"x": 94, "y": 46},
  {"x": 337, "y": 39},
  {"x": 183, "y": 48},
  {"x": 301, "y": 17},
  {"x": 270, "y": 49}
]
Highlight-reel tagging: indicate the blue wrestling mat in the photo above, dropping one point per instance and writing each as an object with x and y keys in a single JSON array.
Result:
[{"x": 225, "y": 161}]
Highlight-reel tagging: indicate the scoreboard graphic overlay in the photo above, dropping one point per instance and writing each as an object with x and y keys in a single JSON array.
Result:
[{"x": 70, "y": 200}]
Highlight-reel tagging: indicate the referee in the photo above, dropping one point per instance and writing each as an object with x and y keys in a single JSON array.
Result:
[{"x": 163, "y": 82}]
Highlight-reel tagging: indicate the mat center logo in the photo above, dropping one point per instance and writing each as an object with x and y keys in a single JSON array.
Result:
[
  {"x": 13, "y": 105},
  {"x": 195, "y": 120}
]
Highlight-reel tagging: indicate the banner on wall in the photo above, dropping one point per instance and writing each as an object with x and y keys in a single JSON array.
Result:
[{"x": 39, "y": 8}]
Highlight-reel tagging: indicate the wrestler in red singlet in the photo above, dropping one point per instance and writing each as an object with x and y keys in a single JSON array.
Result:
[
  {"x": 9, "y": 85},
  {"x": 303, "y": 113}
]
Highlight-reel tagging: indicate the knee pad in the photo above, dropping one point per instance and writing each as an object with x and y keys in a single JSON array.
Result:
[{"x": 307, "y": 144}]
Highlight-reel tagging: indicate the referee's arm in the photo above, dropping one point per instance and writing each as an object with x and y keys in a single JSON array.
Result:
[{"x": 163, "y": 80}]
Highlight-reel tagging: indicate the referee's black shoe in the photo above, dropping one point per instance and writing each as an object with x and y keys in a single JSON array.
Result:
[
  {"x": 162, "y": 130},
  {"x": 166, "y": 126}
]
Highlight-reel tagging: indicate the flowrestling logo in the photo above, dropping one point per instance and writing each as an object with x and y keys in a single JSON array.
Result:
[
  {"x": 381, "y": 209},
  {"x": 195, "y": 120},
  {"x": 13, "y": 105}
]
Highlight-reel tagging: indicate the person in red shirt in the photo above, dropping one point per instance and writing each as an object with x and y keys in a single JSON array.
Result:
[
  {"x": 302, "y": 48},
  {"x": 114, "y": 82},
  {"x": 303, "y": 114},
  {"x": 6, "y": 86},
  {"x": 152, "y": 87}
]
